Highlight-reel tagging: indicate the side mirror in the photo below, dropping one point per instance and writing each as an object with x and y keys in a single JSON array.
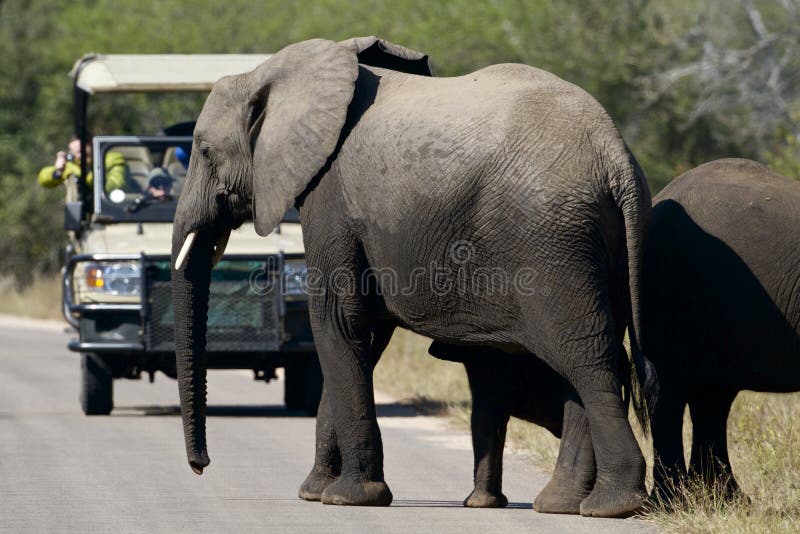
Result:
[{"x": 72, "y": 216}]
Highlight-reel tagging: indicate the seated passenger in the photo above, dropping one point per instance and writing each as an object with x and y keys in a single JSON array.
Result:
[
  {"x": 159, "y": 185},
  {"x": 67, "y": 167}
]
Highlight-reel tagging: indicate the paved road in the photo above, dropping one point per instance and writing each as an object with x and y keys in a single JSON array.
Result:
[{"x": 61, "y": 471}]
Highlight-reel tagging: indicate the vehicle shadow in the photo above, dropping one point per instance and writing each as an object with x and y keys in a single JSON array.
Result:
[{"x": 392, "y": 409}]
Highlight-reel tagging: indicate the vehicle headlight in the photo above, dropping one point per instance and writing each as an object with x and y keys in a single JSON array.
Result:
[
  {"x": 295, "y": 275},
  {"x": 118, "y": 279}
]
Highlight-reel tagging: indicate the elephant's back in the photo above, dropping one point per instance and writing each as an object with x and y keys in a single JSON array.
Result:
[
  {"x": 745, "y": 204},
  {"x": 509, "y": 132}
]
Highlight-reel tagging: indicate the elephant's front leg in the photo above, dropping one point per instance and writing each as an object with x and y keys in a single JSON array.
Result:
[
  {"x": 327, "y": 458},
  {"x": 575, "y": 471},
  {"x": 347, "y": 364},
  {"x": 490, "y": 416}
]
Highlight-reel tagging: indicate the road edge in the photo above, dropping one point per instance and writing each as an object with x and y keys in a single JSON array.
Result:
[{"x": 29, "y": 323}]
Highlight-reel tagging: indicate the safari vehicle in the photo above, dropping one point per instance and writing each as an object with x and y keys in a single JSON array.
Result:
[{"x": 116, "y": 281}]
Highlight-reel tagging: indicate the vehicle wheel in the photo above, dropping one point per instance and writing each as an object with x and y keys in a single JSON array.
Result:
[
  {"x": 97, "y": 391},
  {"x": 303, "y": 383}
]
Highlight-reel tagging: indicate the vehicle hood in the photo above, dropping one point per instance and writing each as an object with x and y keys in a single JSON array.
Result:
[{"x": 156, "y": 239}]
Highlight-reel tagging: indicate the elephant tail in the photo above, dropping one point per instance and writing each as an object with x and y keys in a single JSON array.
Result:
[{"x": 632, "y": 196}]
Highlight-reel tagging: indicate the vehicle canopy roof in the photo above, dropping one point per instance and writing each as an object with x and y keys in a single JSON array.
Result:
[
  {"x": 142, "y": 73},
  {"x": 146, "y": 73}
]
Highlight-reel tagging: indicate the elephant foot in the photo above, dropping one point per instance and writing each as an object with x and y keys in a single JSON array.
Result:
[
  {"x": 608, "y": 499},
  {"x": 480, "y": 498},
  {"x": 346, "y": 491},
  {"x": 560, "y": 497},
  {"x": 315, "y": 483},
  {"x": 731, "y": 492}
]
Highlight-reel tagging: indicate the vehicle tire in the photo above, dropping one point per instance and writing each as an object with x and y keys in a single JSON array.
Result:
[
  {"x": 97, "y": 385},
  {"x": 303, "y": 383}
]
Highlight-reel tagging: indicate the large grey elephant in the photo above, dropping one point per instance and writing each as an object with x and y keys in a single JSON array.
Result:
[
  {"x": 721, "y": 307},
  {"x": 503, "y": 203}
]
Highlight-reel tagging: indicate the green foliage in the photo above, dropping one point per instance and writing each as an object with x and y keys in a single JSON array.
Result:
[{"x": 610, "y": 49}]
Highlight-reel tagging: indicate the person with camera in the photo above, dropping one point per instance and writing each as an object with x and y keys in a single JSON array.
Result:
[{"x": 67, "y": 167}]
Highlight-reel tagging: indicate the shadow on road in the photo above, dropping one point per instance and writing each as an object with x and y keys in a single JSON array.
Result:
[
  {"x": 412, "y": 503},
  {"x": 395, "y": 409}
]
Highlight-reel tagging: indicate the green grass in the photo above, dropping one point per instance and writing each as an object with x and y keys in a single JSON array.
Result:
[
  {"x": 40, "y": 298},
  {"x": 763, "y": 434}
]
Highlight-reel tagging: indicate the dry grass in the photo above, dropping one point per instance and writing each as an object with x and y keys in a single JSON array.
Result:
[
  {"x": 409, "y": 373},
  {"x": 40, "y": 299},
  {"x": 763, "y": 434}
]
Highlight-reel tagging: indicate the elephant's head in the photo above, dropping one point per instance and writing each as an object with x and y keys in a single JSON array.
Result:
[{"x": 260, "y": 139}]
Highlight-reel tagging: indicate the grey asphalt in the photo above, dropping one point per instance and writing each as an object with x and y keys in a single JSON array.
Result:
[{"x": 63, "y": 472}]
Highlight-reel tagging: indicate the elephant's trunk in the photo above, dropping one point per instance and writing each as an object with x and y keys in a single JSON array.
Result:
[{"x": 190, "y": 289}]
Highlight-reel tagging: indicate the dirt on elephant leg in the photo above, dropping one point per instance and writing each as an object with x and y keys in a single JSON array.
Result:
[
  {"x": 574, "y": 475},
  {"x": 327, "y": 460},
  {"x": 561, "y": 496},
  {"x": 480, "y": 498},
  {"x": 619, "y": 489},
  {"x": 315, "y": 483},
  {"x": 347, "y": 491}
]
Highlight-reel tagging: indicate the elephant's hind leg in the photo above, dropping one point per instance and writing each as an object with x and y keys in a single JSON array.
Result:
[
  {"x": 574, "y": 475},
  {"x": 669, "y": 470},
  {"x": 583, "y": 348},
  {"x": 709, "y": 460}
]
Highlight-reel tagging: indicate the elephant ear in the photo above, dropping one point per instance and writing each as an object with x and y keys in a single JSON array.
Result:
[
  {"x": 376, "y": 52},
  {"x": 299, "y": 101}
]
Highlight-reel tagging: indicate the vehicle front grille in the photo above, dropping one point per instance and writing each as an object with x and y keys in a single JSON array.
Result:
[{"x": 242, "y": 317}]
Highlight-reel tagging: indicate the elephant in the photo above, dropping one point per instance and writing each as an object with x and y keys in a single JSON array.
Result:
[
  {"x": 721, "y": 308},
  {"x": 501, "y": 208}
]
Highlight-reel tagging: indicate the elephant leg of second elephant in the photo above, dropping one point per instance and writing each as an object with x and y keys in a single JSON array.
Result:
[
  {"x": 327, "y": 458},
  {"x": 669, "y": 470},
  {"x": 709, "y": 460},
  {"x": 575, "y": 471},
  {"x": 489, "y": 419}
]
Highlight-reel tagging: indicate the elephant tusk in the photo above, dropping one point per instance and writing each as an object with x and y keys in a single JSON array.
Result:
[
  {"x": 187, "y": 246},
  {"x": 219, "y": 249}
]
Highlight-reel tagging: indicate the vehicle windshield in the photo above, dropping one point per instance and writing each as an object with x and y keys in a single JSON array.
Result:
[{"x": 141, "y": 177}]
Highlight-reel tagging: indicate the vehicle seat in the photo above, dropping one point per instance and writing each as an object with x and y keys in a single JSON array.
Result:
[
  {"x": 175, "y": 169},
  {"x": 139, "y": 164},
  {"x": 178, "y": 173}
]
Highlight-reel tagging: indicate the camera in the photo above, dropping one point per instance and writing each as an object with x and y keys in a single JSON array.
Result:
[{"x": 70, "y": 156}]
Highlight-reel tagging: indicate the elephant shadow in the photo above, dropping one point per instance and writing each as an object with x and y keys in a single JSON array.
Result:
[
  {"x": 386, "y": 409},
  {"x": 416, "y": 503}
]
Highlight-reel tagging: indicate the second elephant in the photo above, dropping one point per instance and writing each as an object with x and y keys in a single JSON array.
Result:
[{"x": 721, "y": 307}]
